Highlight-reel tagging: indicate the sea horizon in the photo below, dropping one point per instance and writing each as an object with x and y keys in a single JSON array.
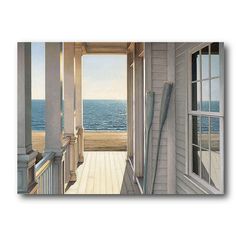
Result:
[
  {"x": 35, "y": 99},
  {"x": 100, "y": 115}
]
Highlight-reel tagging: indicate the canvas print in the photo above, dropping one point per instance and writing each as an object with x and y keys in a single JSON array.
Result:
[{"x": 126, "y": 118}]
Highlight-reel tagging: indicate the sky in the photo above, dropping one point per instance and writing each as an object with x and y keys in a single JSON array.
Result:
[
  {"x": 104, "y": 76},
  {"x": 215, "y": 83},
  {"x": 38, "y": 70}
]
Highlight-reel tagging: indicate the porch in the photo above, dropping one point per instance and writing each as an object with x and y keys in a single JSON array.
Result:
[
  {"x": 64, "y": 147},
  {"x": 103, "y": 172}
]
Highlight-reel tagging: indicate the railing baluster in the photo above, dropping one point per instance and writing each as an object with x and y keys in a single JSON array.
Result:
[{"x": 43, "y": 170}]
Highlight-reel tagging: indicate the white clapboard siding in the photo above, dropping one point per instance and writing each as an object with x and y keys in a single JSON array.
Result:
[
  {"x": 159, "y": 75},
  {"x": 183, "y": 185}
]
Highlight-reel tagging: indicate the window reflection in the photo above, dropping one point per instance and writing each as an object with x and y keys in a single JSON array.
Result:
[
  {"x": 215, "y": 60},
  {"x": 205, "y": 165},
  {"x": 206, "y": 126},
  {"x": 215, "y": 95},
  {"x": 205, "y": 63},
  {"x": 196, "y": 130},
  {"x": 196, "y": 100},
  {"x": 215, "y": 134},
  {"x": 215, "y": 170},
  {"x": 205, "y": 95},
  {"x": 196, "y": 159},
  {"x": 205, "y": 132},
  {"x": 196, "y": 66}
]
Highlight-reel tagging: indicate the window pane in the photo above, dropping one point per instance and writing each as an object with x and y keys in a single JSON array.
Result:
[
  {"x": 215, "y": 134},
  {"x": 196, "y": 159},
  {"x": 195, "y": 66},
  {"x": 205, "y": 62},
  {"x": 215, "y": 60},
  {"x": 196, "y": 130},
  {"x": 215, "y": 170},
  {"x": 205, "y": 132},
  {"x": 205, "y": 95},
  {"x": 196, "y": 96},
  {"x": 215, "y": 95},
  {"x": 205, "y": 165}
]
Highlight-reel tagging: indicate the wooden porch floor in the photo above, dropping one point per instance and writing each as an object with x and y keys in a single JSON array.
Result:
[{"x": 104, "y": 172}]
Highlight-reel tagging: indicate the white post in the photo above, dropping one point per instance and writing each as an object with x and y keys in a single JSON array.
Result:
[
  {"x": 79, "y": 101},
  {"x": 139, "y": 114},
  {"x": 53, "y": 91},
  {"x": 26, "y": 156},
  {"x": 69, "y": 105},
  {"x": 129, "y": 107}
]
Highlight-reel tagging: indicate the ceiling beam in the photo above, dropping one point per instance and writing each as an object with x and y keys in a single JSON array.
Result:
[{"x": 103, "y": 48}]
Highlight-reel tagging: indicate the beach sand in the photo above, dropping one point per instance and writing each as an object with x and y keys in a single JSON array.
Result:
[{"x": 94, "y": 141}]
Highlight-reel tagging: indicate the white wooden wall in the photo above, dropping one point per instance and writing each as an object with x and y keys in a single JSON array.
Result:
[
  {"x": 169, "y": 179},
  {"x": 158, "y": 76},
  {"x": 183, "y": 185}
]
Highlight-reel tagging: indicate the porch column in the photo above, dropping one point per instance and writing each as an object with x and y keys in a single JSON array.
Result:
[
  {"x": 69, "y": 105},
  {"x": 139, "y": 114},
  {"x": 129, "y": 106},
  {"x": 53, "y": 92},
  {"x": 79, "y": 101},
  {"x": 26, "y": 156}
]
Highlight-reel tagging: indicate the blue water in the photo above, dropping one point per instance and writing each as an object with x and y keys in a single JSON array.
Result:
[
  {"x": 107, "y": 115},
  {"x": 38, "y": 114},
  {"x": 214, "y": 121}
]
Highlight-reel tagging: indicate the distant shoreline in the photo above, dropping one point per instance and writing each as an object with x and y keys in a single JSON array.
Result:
[
  {"x": 94, "y": 141},
  {"x": 89, "y": 99},
  {"x": 90, "y": 131}
]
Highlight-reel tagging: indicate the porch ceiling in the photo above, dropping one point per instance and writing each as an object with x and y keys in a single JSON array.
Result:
[{"x": 103, "y": 47}]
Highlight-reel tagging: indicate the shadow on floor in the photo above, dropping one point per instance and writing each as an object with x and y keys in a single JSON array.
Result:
[{"x": 128, "y": 186}]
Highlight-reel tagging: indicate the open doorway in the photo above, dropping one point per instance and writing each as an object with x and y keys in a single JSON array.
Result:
[
  {"x": 105, "y": 102},
  {"x": 113, "y": 120}
]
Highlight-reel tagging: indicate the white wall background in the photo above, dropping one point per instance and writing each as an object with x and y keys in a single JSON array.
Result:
[{"x": 181, "y": 20}]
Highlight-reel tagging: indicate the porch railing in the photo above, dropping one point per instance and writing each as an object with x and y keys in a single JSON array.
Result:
[
  {"x": 66, "y": 149},
  {"x": 44, "y": 169},
  {"x": 43, "y": 174}
]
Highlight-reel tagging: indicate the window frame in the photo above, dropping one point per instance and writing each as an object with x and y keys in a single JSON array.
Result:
[{"x": 209, "y": 114}]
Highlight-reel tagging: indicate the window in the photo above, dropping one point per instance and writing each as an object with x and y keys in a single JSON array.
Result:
[{"x": 206, "y": 116}]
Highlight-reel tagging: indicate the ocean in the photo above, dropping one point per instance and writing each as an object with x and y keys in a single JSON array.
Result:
[
  {"x": 106, "y": 115},
  {"x": 214, "y": 121}
]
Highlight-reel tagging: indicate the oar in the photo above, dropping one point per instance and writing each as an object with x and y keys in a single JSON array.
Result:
[
  {"x": 149, "y": 108},
  {"x": 165, "y": 100}
]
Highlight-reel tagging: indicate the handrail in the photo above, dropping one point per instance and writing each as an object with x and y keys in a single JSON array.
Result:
[
  {"x": 44, "y": 171},
  {"x": 66, "y": 141},
  {"x": 43, "y": 164}
]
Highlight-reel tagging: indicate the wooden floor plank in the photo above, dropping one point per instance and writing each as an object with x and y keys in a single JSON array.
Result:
[
  {"x": 115, "y": 183},
  {"x": 117, "y": 169},
  {"x": 109, "y": 189},
  {"x": 97, "y": 174},
  {"x": 84, "y": 178},
  {"x": 91, "y": 176},
  {"x": 104, "y": 173}
]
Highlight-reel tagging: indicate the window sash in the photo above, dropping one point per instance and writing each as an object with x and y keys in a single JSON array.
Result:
[{"x": 209, "y": 114}]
